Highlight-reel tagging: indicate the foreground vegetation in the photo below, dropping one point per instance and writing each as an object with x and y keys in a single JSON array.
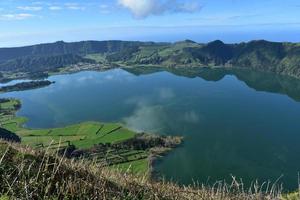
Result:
[
  {"x": 29, "y": 174},
  {"x": 93, "y": 160}
]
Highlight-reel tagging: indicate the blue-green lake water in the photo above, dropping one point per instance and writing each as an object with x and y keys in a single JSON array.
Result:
[{"x": 240, "y": 123}]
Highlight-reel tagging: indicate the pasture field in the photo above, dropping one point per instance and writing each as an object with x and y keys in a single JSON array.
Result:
[{"x": 82, "y": 136}]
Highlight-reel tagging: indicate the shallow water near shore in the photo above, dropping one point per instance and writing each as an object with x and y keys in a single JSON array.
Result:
[{"x": 234, "y": 122}]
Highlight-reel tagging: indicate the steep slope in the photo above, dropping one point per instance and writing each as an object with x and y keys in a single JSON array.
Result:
[
  {"x": 61, "y": 48},
  {"x": 281, "y": 58},
  {"x": 29, "y": 174},
  {"x": 215, "y": 53},
  {"x": 42, "y": 63},
  {"x": 259, "y": 54}
]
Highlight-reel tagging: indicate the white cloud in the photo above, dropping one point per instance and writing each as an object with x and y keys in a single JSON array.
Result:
[
  {"x": 140, "y": 8},
  {"x": 20, "y": 16},
  {"x": 30, "y": 8},
  {"x": 144, "y": 8},
  {"x": 146, "y": 118},
  {"x": 188, "y": 7},
  {"x": 74, "y": 6},
  {"x": 55, "y": 8},
  {"x": 37, "y": 3}
]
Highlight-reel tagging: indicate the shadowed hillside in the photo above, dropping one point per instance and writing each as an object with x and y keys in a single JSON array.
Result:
[{"x": 9, "y": 136}]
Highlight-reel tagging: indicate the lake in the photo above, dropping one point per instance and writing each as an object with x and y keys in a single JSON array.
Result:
[{"x": 234, "y": 122}]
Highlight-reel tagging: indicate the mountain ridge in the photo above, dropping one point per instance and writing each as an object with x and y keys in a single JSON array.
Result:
[{"x": 277, "y": 57}]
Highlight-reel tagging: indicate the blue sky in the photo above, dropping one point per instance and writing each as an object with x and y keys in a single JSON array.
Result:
[{"x": 26, "y": 22}]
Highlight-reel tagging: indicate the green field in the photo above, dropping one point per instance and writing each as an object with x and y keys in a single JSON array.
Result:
[
  {"x": 136, "y": 167},
  {"x": 100, "y": 58},
  {"x": 83, "y": 136}
]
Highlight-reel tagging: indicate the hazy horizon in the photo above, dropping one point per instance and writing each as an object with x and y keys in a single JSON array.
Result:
[{"x": 157, "y": 41}]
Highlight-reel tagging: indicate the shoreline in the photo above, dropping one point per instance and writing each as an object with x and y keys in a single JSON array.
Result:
[
  {"x": 30, "y": 136},
  {"x": 75, "y": 68}
]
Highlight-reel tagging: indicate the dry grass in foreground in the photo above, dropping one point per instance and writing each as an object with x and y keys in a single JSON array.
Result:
[{"x": 30, "y": 174}]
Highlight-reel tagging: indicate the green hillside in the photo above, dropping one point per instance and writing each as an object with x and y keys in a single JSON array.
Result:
[{"x": 280, "y": 58}]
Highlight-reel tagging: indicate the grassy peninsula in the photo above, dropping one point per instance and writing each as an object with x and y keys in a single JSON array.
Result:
[{"x": 109, "y": 143}]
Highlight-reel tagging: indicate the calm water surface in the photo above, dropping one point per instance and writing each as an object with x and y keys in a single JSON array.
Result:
[{"x": 240, "y": 123}]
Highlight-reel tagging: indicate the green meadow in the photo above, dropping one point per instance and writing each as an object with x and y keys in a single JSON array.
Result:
[{"x": 82, "y": 135}]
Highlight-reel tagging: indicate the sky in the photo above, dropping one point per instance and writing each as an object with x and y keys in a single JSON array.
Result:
[{"x": 25, "y": 22}]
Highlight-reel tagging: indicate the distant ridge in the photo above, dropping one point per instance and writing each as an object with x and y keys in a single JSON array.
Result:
[{"x": 277, "y": 57}]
